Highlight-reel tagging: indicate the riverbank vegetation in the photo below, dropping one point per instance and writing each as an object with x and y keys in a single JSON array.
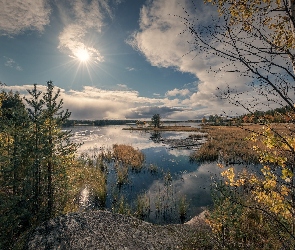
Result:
[
  {"x": 254, "y": 209},
  {"x": 42, "y": 175},
  {"x": 34, "y": 157},
  {"x": 226, "y": 144},
  {"x": 235, "y": 144},
  {"x": 166, "y": 128}
]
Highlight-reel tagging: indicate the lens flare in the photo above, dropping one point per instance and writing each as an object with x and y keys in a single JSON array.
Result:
[{"x": 83, "y": 55}]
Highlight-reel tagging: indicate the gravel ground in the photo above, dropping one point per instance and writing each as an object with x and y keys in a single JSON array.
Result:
[{"x": 105, "y": 230}]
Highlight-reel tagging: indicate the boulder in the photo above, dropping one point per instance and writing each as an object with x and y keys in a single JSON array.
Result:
[{"x": 105, "y": 230}]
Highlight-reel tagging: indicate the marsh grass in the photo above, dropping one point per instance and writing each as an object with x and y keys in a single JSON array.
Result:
[
  {"x": 122, "y": 174},
  {"x": 167, "y": 128},
  {"x": 86, "y": 172},
  {"x": 227, "y": 145},
  {"x": 232, "y": 145},
  {"x": 128, "y": 155},
  {"x": 164, "y": 204},
  {"x": 182, "y": 207},
  {"x": 168, "y": 203},
  {"x": 120, "y": 206},
  {"x": 142, "y": 206},
  {"x": 91, "y": 171},
  {"x": 198, "y": 136}
]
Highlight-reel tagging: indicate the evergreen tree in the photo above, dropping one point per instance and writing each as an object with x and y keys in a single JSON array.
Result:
[
  {"x": 14, "y": 175},
  {"x": 34, "y": 156},
  {"x": 156, "y": 119}
]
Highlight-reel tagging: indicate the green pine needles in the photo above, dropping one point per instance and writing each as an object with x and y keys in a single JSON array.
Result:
[{"x": 34, "y": 156}]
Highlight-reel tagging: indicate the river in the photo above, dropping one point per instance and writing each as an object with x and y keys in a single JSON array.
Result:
[{"x": 188, "y": 179}]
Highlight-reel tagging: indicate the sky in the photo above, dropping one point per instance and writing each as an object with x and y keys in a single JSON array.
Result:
[{"x": 112, "y": 59}]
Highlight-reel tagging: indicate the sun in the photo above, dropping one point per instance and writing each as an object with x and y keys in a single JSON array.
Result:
[{"x": 83, "y": 55}]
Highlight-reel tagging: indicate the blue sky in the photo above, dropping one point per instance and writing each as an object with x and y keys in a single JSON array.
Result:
[{"x": 138, "y": 62}]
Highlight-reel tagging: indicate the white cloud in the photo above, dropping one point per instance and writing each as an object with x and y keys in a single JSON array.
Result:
[
  {"x": 71, "y": 41},
  {"x": 175, "y": 92},
  {"x": 18, "y": 16},
  {"x": 94, "y": 103},
  {"x": 122, "y": 86},
  {"x": 82, "y": 19},
  {"x": 164, "y": 40}
]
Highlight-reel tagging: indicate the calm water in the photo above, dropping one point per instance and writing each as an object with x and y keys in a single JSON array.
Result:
[{"x": 190, "y": 180}]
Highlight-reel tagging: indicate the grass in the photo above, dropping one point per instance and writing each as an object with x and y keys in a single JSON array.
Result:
[
  {"x": 142, "y": 208},
  {"x": 182, "y": 207},
  {"x": 125, "y": 157},
  {"x": 167, "y": 128},
  {"x": 122, "y": 174},
  {"x": 229, "y": 144},
  {"x": 86, "y": 172},
  {"x": 128, "y": 156},
  {"x": 226, "y": 144},
  {"x": 153, "y": 169}
]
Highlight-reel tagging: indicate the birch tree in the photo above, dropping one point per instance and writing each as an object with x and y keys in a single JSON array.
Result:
[{"x": 256, "y": 41}]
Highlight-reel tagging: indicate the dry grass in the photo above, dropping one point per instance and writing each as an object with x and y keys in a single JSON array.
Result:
[
  {"x": 229, "y": 144},
  {"x": 226, "y": 144},
  {"x": 128, "y": 155},
  {"x": 167, "y": 128},
  {"x": 81, "y": 174}
]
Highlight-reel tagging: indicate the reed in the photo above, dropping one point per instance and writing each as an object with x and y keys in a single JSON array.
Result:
[
  {"x": 228, "y": 145},
  {"x": 83, "y": 173},
  {"x": 182, "y": 207},
  {"x": 142, "y": 207},
  {"x": 120, "y": 206},
  {"x": 122, "y": 174},
  {"x": 128, "y": 155}
]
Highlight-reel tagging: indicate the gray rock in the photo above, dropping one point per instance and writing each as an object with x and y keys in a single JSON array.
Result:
[{"x": 105, "y": 230}]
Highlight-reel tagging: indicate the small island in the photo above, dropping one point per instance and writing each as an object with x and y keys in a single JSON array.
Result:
[{"x": 165, "y": 128}]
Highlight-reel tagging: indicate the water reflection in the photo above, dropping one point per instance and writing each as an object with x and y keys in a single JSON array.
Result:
[
  {"x": 190, "y": 180},
  {"x": 156, "y": 137}
]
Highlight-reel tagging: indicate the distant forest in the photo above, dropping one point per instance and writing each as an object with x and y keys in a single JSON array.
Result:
[
  {"x": 278, "y": 115},
  {"x": 70, "y": 123}
]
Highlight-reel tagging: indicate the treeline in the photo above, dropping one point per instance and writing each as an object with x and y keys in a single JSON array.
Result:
[
  {"x": 278, "y": 115},
  {"x": 217, "y": 120},
  {"x": 105, "y": 122},
  {"x": 34, "y": 156}
]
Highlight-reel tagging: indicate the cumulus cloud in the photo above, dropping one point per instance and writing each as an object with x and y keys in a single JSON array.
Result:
[
  {"x": 149, "y": 111},
  {"x": 71, "y": 42},
  {"x": 94, "y": 103},
  {"x": 12, "y": 64},
  {"x": 175, "y": 92},
  {"x": 18, "y": 16},
  {"x": 82, "y": 18},
  {"x": 165, "y": 42}
]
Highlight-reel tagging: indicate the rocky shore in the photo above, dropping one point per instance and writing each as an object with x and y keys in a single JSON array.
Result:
[{"x": 105, "y": 230}]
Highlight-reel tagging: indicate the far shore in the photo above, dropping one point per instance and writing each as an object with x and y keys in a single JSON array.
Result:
[{"x": 165, "y": 128}]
